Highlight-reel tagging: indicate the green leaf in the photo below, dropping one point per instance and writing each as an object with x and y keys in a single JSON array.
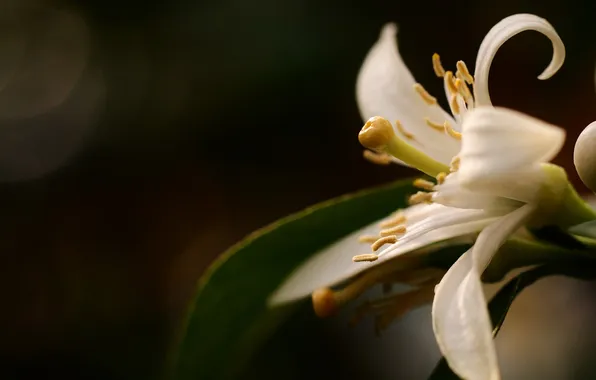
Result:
[
  {"x": 228, "y": 318},
  {"x": 502, "y": 301}
]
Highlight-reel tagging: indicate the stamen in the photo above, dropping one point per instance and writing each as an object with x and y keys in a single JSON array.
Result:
[
  {"x": 401, "y": 130},
  {"x": 382, "y": 241},
  {"x": 365, "y": 257},
  {"x": 441, "y": 178},
  {"x": 428, "y": 98},
  {"x": 432, "y": 124},
  {"x": 424, "y": 184},
  {"x": 463, "y": 69},
  {"x": 452, "y": 132},
  {"x": 397, "y": 230},
  {"x": 437, "y": 66},
  {"x": 327, "y": 302},
  {"x": 393, "y": 221},
  {"x": 377, "y": 158},
  {"x": 454, "y": 105},
  {"x": 464, "y": 90},
  {"x": 368, "y": 239},
  {"x": 454, "y": 165},
  {"x": 448, "y": 79},
  {"x": 419, "y": 197}
]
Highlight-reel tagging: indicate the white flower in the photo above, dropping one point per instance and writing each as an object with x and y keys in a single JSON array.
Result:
[{"x": 492, "y": 178}]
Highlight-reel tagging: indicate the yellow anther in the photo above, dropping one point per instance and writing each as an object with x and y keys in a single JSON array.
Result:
[
  {"x": 368, "y": 239},
  {"x": 441, "y": 178},
  {"x": 454, "y": 105},
  {"x": 376, "y": 133},
  {"x": 377, "y": 158},
  {"x": 424, "y": 184},
  {"x": 463, "y": 69},
  {"x": 437, "y": 66},
  {"x": 401, "y": 130},
  {"x": 432, "y": 124},
  {"x": 419, "y": 197},
  {"x": 448, "y": 79},
  {"x": 428, "y": 98},
  {"x": 382, "y": 241},
  {"x": 452, "y": 132},
  {"x": 454, "y": 165},
  {"x": 397, "y": 230},
  {"x": 365, "y": 257},
  {"x": 463, "y": 89},
  {"x": 394, "y": 221},
  {"x": 325, "y": 302}
]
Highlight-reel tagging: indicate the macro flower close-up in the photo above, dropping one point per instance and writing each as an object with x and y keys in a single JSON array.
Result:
[{"x": 298, "y": 190}]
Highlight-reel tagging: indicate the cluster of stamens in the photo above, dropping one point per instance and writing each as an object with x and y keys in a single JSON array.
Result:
[{"x": 377, "y": 135}]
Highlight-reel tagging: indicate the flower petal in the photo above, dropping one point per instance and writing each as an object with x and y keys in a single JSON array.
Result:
[
  {"x": 385, "y": 87},
  {"x": 460, "y": 316},
  {"x": 334, "y": 264},
  {"x": 584, "y": 158},
  {"x": 502, "y": 149},
  {"x": 498, "y": 35}
]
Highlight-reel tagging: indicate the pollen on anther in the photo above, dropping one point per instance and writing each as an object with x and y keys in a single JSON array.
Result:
[
  {"x": 382, "y": 241},
  {"x": 428, "y": 98},
  {"x": 423, "y": 184},
  {"x": 452, "y": 132},
  {"x": 437, "y": 66},
  {"x": 441, "y": 178},
  {"x": 463, "y": 69},
  {"x": 397, "y": 230},
  {"x": 448, "y": 78},
  {"x": 394, "y": 221},
  {"x": 454, "y": 104},
  {"x": 402, "y": 130},
  {"x": 365, "y": 257},
  {"x": 368, "y": 239},
  {"x": 432, "y": 124},
  {"x": 419, "y": 197},
  {"x": 377, "y": 158}
]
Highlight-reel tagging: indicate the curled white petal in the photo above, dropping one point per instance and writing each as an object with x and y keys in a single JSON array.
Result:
[
  {"x": 584, "y": 156},
  {"x": 502, "y": 149},
  {"x": 460, "y": 318},
  {"x": 385, "y": 87},
  {"x": 502, "y": 32}
]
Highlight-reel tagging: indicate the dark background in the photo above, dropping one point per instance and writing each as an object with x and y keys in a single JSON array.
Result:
[{"x": 194, "y": 123}]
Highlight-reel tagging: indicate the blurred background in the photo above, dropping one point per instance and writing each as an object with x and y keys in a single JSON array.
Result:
[{"x": 139, "y": 139}]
